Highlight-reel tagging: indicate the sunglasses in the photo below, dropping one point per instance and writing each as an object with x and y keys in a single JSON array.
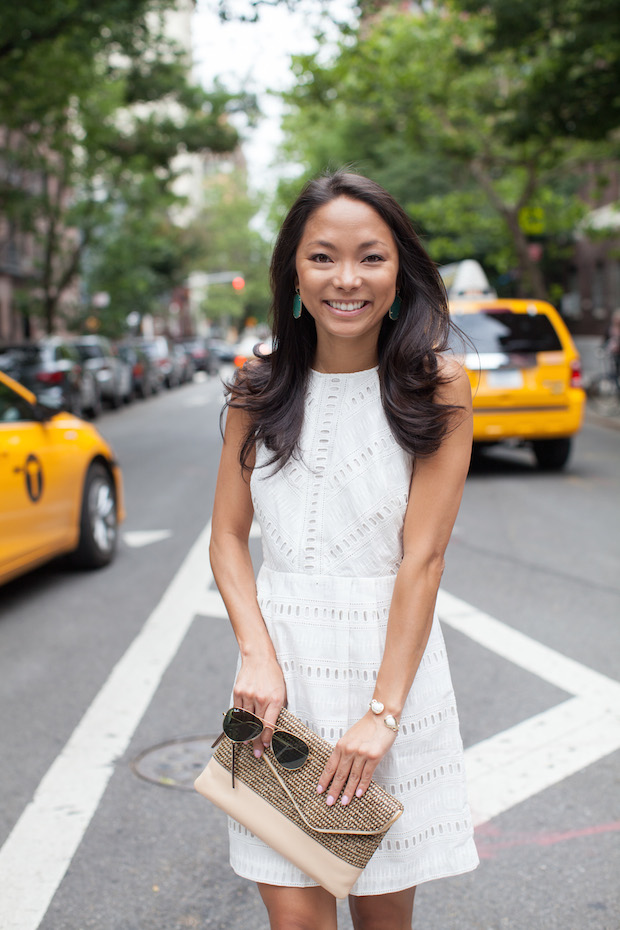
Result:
[{"x": 240, "y": 726}]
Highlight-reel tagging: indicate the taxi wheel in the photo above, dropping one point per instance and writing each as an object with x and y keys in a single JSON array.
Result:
[
  {"x": 98, "y": 521},
  {"x": 552, "y": 454}
]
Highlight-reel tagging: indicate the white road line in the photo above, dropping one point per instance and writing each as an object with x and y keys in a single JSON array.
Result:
[
  {"x": 516, "y": 764},
  {"x": 521, "y": 650},
  {"x": 37, "y": 853},
  {"x": 136, "y": 539}
]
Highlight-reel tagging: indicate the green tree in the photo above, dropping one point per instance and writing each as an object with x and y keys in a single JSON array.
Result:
[
  {"x": 226, "y": 241},
  {"x": 99, "y": 103},
  {"x": 137, "y": 257},
  {"x": 569, "y": 53},
  {"x": 410, "y": 100}
]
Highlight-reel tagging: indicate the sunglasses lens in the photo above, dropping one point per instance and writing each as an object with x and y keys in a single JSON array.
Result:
[
  {"x": 241, "y": 725},
  {"x": 290, "y": 751}
]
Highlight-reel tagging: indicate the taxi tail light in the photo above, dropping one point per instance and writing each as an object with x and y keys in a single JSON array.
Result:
[
  {"x": 576, "y": 380},
  {"x": 50, "y": 377},
  {"x": 240, "y": 360}
]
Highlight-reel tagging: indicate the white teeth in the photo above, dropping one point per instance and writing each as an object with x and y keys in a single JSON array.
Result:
[{"x": 349, "y": 305}]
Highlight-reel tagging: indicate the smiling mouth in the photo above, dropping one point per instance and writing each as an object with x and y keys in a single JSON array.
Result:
[{"x": 346, "y": 304}]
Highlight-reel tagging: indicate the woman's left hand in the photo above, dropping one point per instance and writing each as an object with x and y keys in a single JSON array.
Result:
[{"x": 355, "y": 758}]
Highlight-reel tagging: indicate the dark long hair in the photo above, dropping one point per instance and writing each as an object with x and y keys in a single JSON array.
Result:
[{"x": 272, "y": 389}]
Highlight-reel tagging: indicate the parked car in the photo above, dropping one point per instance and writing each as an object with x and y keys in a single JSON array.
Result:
[
  {"x": 160, "y": 350},
  {"x": 525, "y": 374},
  {"x": 144, "y": 372},
  {"x": 205, "y": 359},
  {"x": 113, "y": 374},
  {"x": 52, "y": 369},
  {"x": 61, "y": 487},
  {"x": 224, "y": 351},
  {"x": 183, "y": 362}
]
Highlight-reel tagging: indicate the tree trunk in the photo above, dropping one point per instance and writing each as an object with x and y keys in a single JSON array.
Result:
[
  {"x": 49, "y": 311},
  {"x": 531, "y": 282}
]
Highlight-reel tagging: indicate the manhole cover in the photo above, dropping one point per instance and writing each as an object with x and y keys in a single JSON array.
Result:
[{"x": 176, "y": 763}]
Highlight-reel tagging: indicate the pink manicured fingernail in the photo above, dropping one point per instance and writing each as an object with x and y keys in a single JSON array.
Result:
[
  {"x": 257, "y": 753},
  {"x": 359, "y": 793},
  {"x": 319, "y": 790},
  {"x": 330, "y": 801},
  {"x": 345, "y": 799}
]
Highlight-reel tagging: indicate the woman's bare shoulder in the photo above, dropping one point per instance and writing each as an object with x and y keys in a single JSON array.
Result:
[{"x": 454, "y": 386}]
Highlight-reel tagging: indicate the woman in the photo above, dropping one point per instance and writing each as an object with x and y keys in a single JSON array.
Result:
[{"x": 350, "y": 444}]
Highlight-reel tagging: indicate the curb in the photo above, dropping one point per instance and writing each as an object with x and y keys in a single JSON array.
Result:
[{"x": 608, "y": 422}]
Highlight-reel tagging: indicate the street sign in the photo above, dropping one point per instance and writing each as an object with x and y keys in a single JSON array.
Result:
[{"x": 532, "y": 220}]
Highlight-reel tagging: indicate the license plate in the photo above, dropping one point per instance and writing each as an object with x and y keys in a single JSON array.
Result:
[{"x": 505, "y": 379}]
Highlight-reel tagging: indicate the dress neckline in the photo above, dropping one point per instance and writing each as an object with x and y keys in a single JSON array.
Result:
[{"x": 343, "y": 374}]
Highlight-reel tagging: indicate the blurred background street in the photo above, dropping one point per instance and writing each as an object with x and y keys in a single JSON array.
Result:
[{"x": 148, "y": 151}]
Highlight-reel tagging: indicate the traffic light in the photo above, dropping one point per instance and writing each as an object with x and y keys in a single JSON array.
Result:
[{"x": 238, "y": 283}]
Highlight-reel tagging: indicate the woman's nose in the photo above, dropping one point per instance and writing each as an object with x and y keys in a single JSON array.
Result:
[{"x": 347, "y": 276}]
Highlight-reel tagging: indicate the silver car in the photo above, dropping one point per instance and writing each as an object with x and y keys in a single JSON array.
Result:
[{"x": 112, "y": 372}]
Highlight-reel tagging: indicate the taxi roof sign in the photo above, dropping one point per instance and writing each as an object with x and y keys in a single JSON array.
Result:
[{"x": 466, "y": 279}]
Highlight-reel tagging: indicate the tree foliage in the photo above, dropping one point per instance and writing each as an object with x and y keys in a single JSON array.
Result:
[
  {"x": 138, "y": 256},
  {"x": 226, "y": 241},
  {"x": 95, "y": 104},
  {"x": 426, "y": 105},
  {"x": 569, "y": 51}
]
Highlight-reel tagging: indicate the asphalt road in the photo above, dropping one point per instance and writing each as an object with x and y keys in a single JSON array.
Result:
[{"x": 106, "y": 678}]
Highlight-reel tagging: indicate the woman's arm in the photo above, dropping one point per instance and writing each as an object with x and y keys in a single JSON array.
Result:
[
  {"x": 260, "y": 686},
  {"x": 434, "y": 499}
]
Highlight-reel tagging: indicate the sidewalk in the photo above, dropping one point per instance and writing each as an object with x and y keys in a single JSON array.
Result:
[{"x": 588, "y": 347}]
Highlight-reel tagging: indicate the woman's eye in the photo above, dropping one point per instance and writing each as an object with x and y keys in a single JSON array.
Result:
[
  {"x": 321, "y": 257},
  {"x": 373, "y": 259}
]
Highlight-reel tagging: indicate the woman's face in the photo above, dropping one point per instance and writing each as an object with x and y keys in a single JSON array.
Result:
[{"x": 347, "y": 266}]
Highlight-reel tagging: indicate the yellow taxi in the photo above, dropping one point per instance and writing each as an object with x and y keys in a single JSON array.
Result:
[
  {"x": 60, "y": 486},
  {"x": 525, "y": 375}
]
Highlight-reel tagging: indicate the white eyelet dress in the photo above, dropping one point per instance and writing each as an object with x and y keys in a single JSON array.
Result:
[{"x": 332, "y": 525}]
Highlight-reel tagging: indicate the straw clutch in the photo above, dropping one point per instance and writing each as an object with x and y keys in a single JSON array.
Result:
[{"x": 330, "y": 844}]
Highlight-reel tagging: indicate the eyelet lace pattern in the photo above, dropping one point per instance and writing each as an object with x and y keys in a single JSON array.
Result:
[{"x": 332, "y": 524}]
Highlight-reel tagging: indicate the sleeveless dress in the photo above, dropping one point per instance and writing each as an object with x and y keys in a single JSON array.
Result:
[{"x": 332, "y": 527}]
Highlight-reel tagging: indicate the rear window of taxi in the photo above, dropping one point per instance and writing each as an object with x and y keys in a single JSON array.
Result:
[{"x": 492, "y": 331}]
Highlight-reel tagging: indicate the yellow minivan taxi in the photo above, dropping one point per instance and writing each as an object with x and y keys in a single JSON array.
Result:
[
  {"x": 60, "y": 486},
  {"x": 525, "y": 375}
]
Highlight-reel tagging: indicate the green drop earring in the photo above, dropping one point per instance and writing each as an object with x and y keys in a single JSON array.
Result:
[
  {"x": 297, "y": 305},
  {"x": 395, "y": 308}
]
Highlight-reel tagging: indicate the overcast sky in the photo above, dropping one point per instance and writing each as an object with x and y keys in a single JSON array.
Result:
[{"x": 255, "y": 56}]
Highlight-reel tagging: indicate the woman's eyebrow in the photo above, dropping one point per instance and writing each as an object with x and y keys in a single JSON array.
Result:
[
  {"x": 372, "y": 243},
  {"x": 363, "y": 245},
  {"x": 322, "y": 243}
]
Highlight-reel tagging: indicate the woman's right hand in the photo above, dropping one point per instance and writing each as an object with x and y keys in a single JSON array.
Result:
[{"x": 260, "y": 688}]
